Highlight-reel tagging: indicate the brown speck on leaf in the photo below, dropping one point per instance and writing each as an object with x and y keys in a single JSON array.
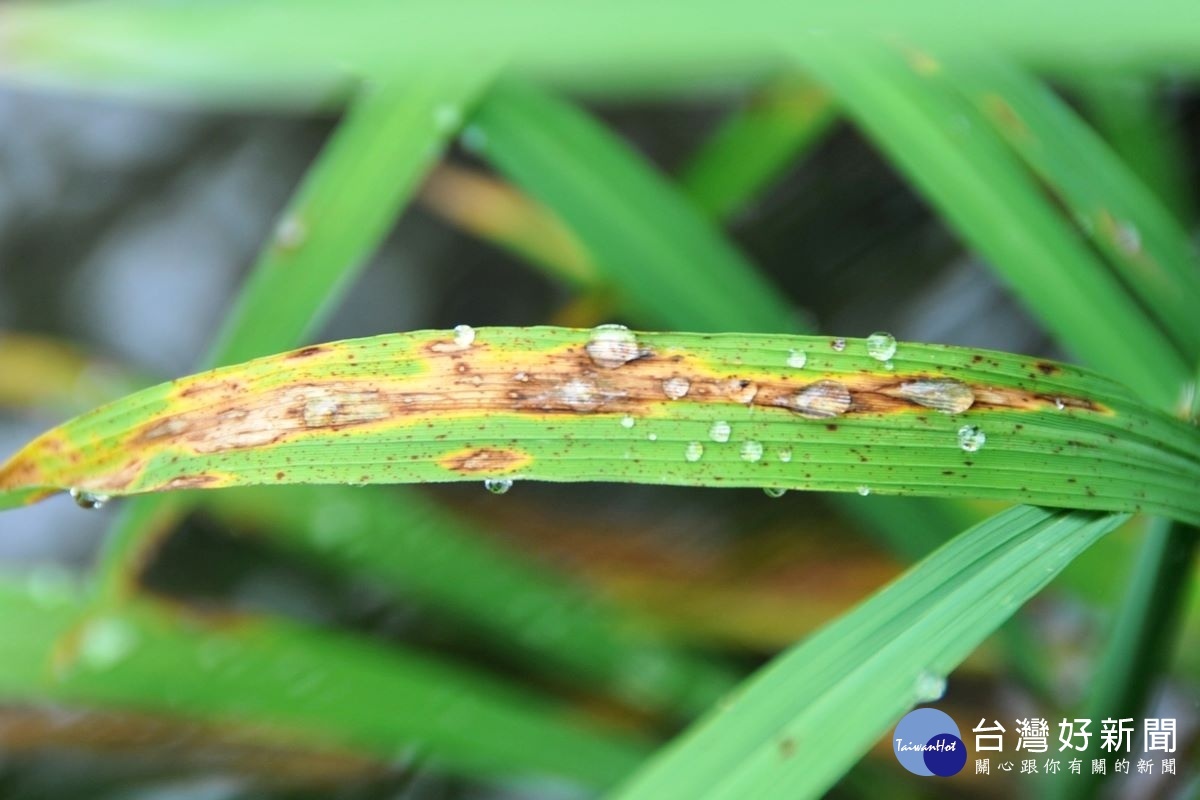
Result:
[
  {"x": 306, "y": 352},
  {"x": 787, "y": 747}
]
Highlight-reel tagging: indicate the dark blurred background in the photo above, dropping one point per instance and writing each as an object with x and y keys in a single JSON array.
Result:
[{"x": 125, "y": 230}]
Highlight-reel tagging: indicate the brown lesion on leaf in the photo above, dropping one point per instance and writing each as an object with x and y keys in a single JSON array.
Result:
[
  {"x": 196, "y": 481},
  {"x": 486, "y": 460},
  {"x": 306, "y": 352}
]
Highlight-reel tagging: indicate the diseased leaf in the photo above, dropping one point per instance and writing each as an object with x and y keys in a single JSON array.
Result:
[{"x": 610, "y": 404}]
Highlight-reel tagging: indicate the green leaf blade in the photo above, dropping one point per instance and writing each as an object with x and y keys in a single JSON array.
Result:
[{"x": 859, "y": 674}]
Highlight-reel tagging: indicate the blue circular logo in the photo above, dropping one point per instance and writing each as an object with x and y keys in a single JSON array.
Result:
[{"x": 927, "y": 742}]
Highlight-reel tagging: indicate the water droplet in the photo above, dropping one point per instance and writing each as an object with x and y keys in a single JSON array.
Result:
[
  {"x": 947, "y": 395},
  {"x": 612, "y": 346},
  {"x": 290, "y": 232},
  {"x": 930, "y": 687},
  {"x": 677, "y": 387},
  {"x": 105, "y": 642},
  {"x": 464, "y": 335},
  {"x": 751, "y": 450},
  {"x": 447, "y": 117},
  {"x": 720, "y": 431},
  {"x": 85, "y": 499},
  {"x": 822, "y": 400},
  {"x": 785, "y": 455},
  {"x": 742, "y": 391},
  {"x": 838, "y": 344},
  {"x": 970, "y": 438},
  {"x": 1128, "y": 238},
  {"x": 474, "y": 139},
  {"x": 694, "y": 451},
  {"x": 521, "y": 377},
  {"x": 864, "y": 490},
  {"x": 497, "y": 485},
  {"x": 774, "y": 491},
  {"x": 1059, "y": 404},
  {"x": 627, "y": 422},
  {"x": 797, "y": 359},
  {"x": 881, "y": 346}
]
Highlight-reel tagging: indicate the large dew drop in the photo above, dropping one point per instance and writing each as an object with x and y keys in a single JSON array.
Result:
[
  {"x": 676, "y": 388},
  {"x": 970, "y": 438},
  {"x": 497, "y": 485},
  {"x": 941, "y": 394},
  {"x": 881, "y": 346},
  {"x": 821, "y": 400},
  {"x": 89, "y": 500},
  {"x": 612, "y": 346},
  {"x": 720, "y": 431},
  {"x": 464, "y": 335},
  {"x": 797, "y": 359},
  {"x": 774, "y": 491},
  {"x": 751, "y": 450},
  {"x": 694, "y": 452}
]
